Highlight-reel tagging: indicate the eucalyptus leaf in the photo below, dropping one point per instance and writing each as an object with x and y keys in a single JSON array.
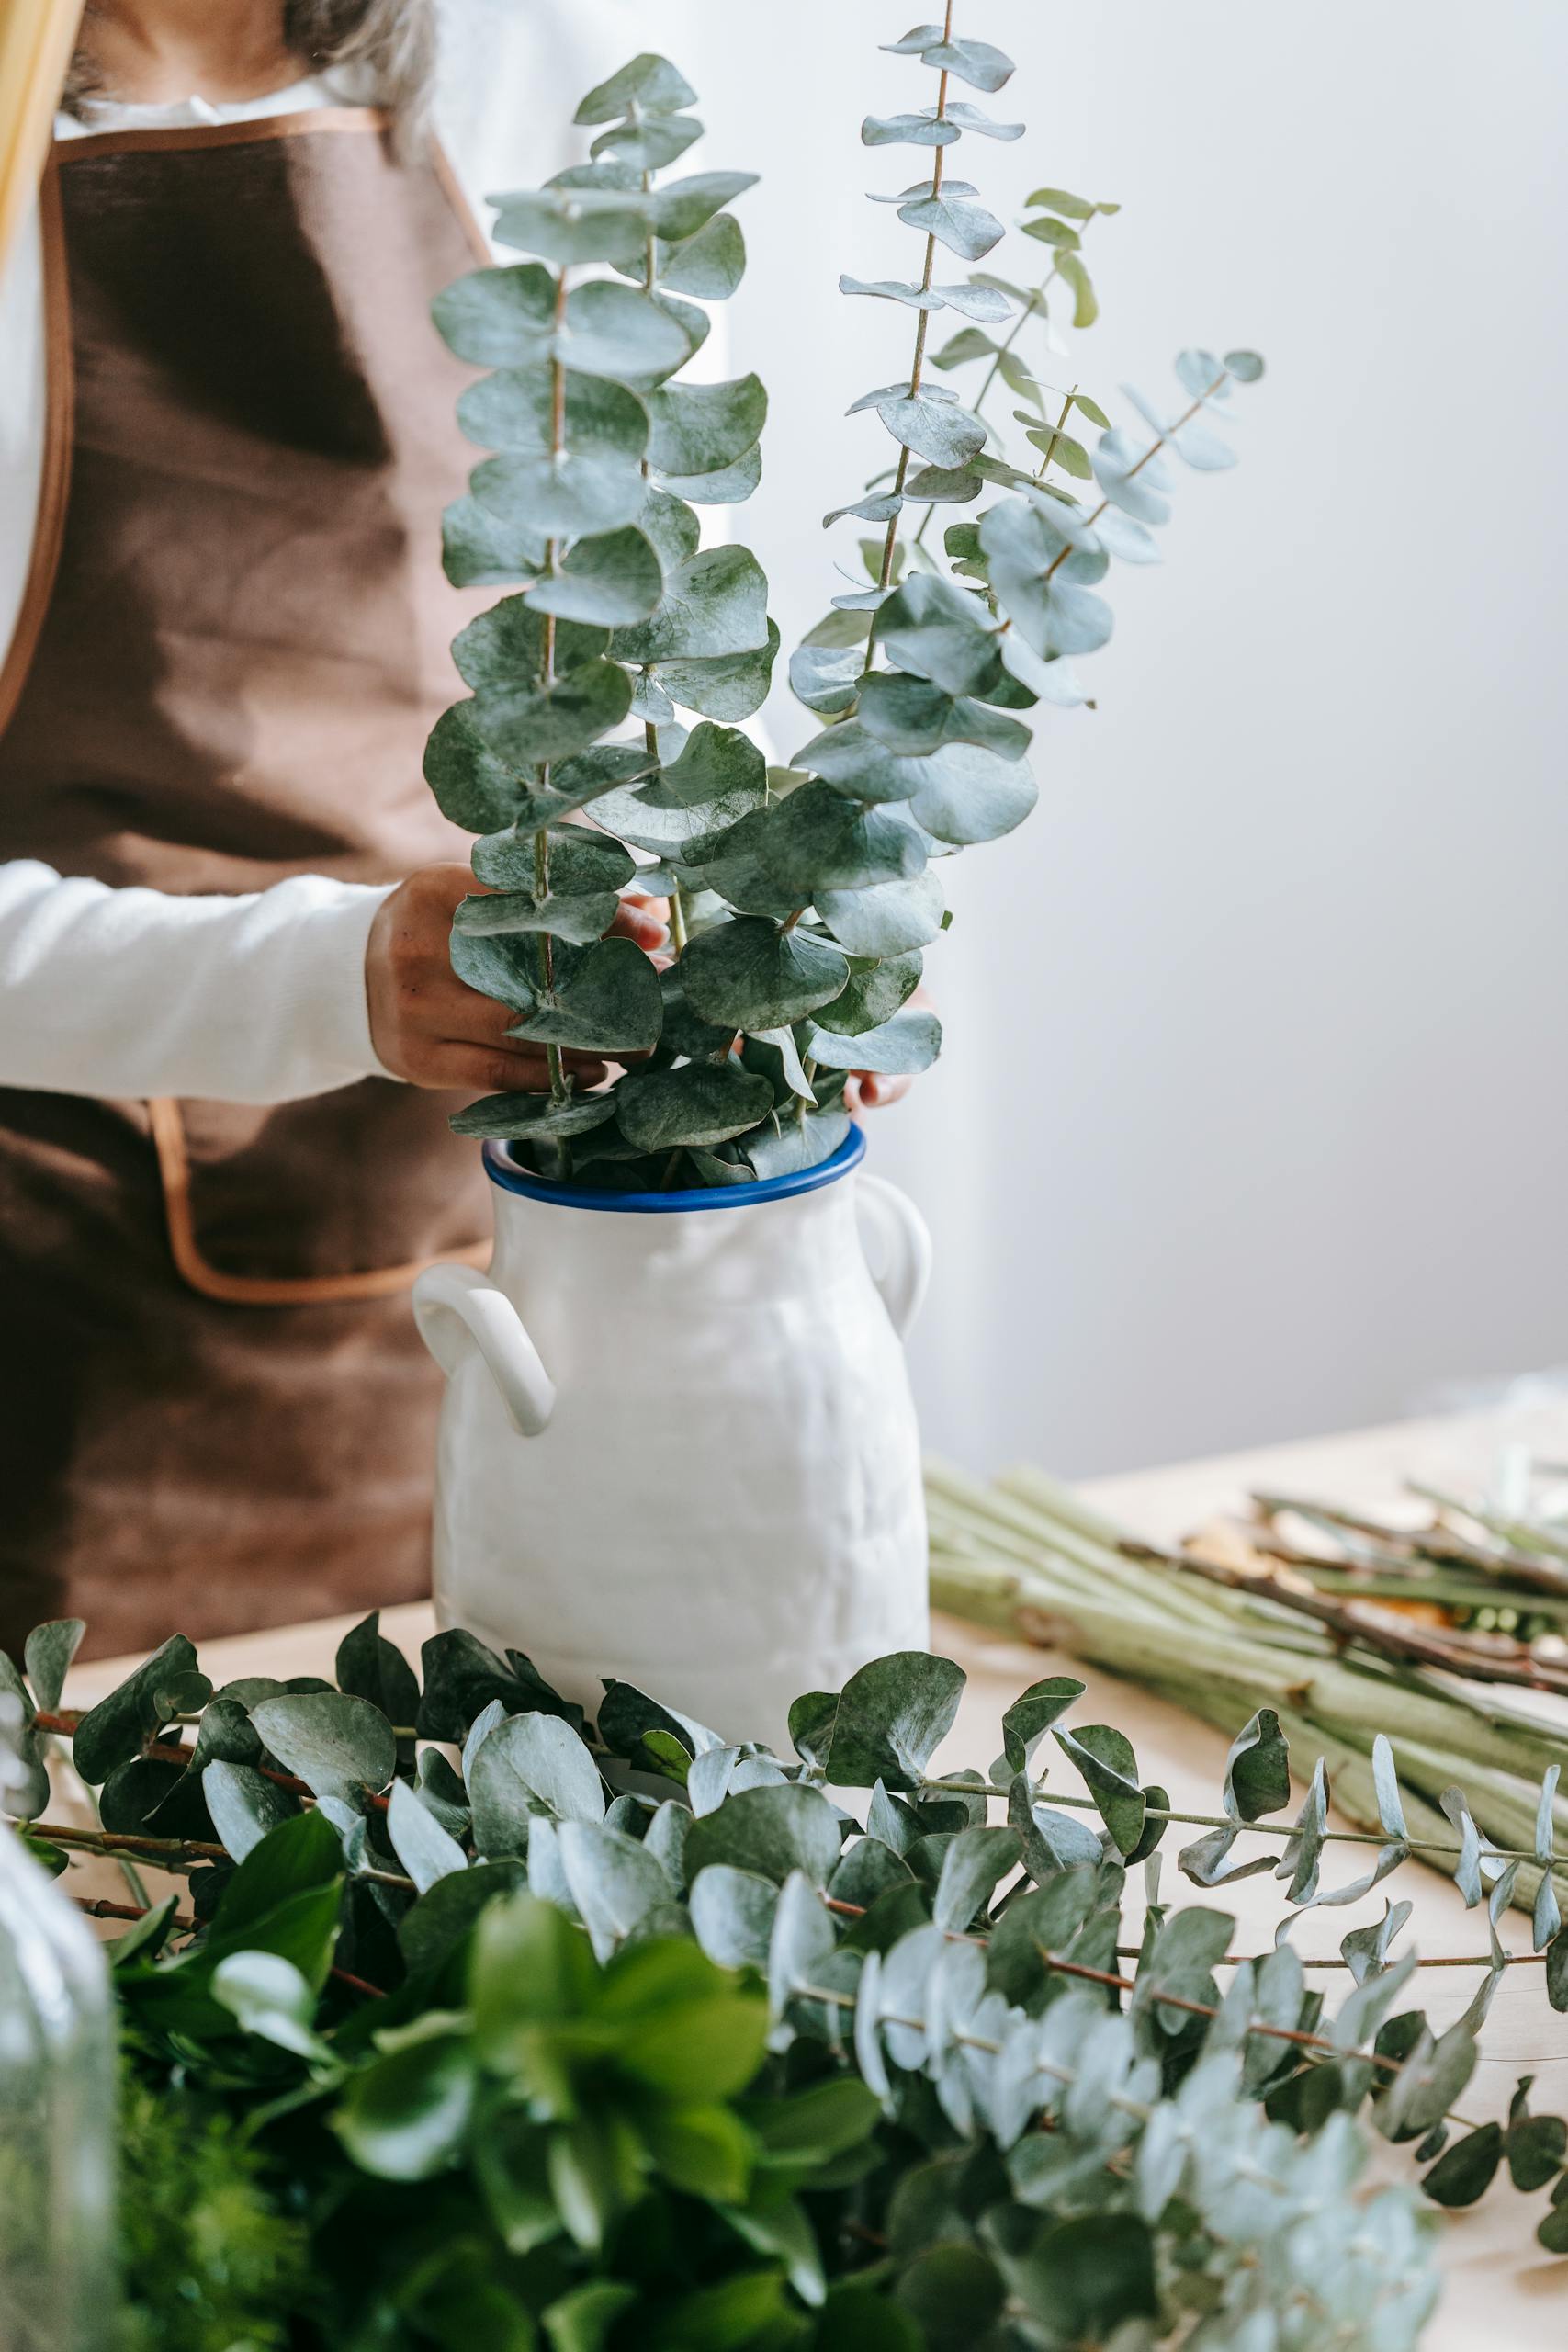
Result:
[
  {"x": 983, "y": 303},
  {"x": 726, "y": 486},
  {"x": 611, "y": 579},
  {"x": 581, "y": 863},
  {"x": 872, "y": 994},
  {"x": 698, "y": 1103},
  {"x": 651, "y": 143},
  {"x": 426, "y": 1851},
  {"x": 730, "y": 687},
  {"x": 603, "y": 999},
  {"x": 576, "y": 224},
  {"x": 119, "y": 1727},
  {"x": 681, "y": 207},
  {"x": 913, "y": 717},
  {"x": 768, "y": 1832},
  {"x": 978, "y": 63},
  {"x": 710, "y": 264},
  {"x": 698, "y": 428},
  {"x": 939, "y": 431},
  {"x": 339, "y": 1746},
  {"x": 747, "y": 974},
  {"x": 907, "y": 131},
  {"x": 788, "y": 1145},
  {"x": 901, "y": 1048},
  {"x": 966, "y": 228},
  {"x": 974, "y": 117},
  {"x": 473, "y": 784},
  {"x": 732, "y": 1914},
  {"x": 889, "y": 920},
  {"x": 528, "y": 1767},
  {"x": 1132, "y": 477},
  {"x": 515, "y": 1117},
  {"x": 971, "y": 1867},
  {"x": 537, "y": 722},
  {"x": 715, "y": 602},
  {"x": 245, "y": 1804},
  {"x": 514, "y": 410},
  {"x": 47, "y": 1654},
  {"x": 970, "y": 795},
  {"x": 891, "y": 1716},
  {"x": 580, "y": 920},
  {"x": 941, "y": 632},
  {"x": 819, "y": 838},
  {"x": 498, "y": 317},
  {"x": 648, "y": 86}
]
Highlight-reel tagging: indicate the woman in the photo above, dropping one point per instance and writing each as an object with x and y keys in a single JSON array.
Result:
[{"x": 229, "y": 1035}]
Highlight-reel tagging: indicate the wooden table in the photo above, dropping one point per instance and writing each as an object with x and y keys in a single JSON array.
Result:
[{"x": 1500, "y": 2287}]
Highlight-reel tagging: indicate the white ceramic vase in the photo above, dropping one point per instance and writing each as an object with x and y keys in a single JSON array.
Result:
[{"x": 678, "y": 1445}]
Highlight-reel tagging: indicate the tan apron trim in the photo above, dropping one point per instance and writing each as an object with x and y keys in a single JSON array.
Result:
[
  {"x": 48, "y": 530},
  {"x": 251, "y": 132},
  {"x": 451, "y": 188},
  {"x": 266, "y": 1290}
]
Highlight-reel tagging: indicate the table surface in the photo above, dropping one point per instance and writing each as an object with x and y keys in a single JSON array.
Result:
[{"x": 1500, "y": 2287}]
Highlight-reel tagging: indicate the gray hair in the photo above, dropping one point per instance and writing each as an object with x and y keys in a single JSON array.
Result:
[{"x": 391, "y": 44}]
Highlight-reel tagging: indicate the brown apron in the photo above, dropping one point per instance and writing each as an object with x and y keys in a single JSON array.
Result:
[{"x": 214, "y": 1412}]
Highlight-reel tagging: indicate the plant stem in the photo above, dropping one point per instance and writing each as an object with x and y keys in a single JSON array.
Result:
[
  {"x": 1016, "y": 329},
  {"x": 166, "y": 1853},
  {"x": 1056, "y": 431},
  {"x": 1412, "y": 1647},
  {"x": 559, "y": 1087},
  {"x": 1152, "y": 451},
  {"x": 921, "y": 329},
  {"x": 180, "y": 1925}
]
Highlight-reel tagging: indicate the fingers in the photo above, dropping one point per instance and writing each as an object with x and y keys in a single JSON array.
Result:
[
  {"x": 870, "y": 1089},
  {"x": 429, "y": 1027},
  {"x": 480, "y": 1069},
  {"x": 643, "y": 921}
]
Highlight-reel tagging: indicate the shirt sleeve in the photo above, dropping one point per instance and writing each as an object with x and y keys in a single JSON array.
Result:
[{"x": 253, "y": 999}]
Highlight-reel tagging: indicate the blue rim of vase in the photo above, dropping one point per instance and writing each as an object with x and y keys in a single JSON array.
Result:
[{"x": 501, "y": 1170}]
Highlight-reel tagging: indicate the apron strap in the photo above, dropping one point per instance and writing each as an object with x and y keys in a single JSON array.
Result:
[{"x": 196, "y": 1269}]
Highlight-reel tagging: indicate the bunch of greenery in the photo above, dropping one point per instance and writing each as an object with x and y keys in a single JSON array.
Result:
[
  {"x": 543, "y": 2031},
  {"x": 801, "y": 899}
]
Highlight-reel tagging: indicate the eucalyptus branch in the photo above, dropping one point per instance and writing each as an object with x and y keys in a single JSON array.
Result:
[
  {"x": 1028, "y": 312},
  {"x": 559, "y": 1086},
  {"x": 170, "y": 1854},
  {"x": 923, "y": 326},
  {"x": 1161, "y": 442}
]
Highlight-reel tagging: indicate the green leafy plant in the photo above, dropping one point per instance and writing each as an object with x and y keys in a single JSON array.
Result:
[
  {"x": 801, "y": 899},
  {"x": 538, "y": 2030}
]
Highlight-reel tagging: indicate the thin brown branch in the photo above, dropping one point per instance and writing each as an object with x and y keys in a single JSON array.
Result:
[
  {"x": 1354, "y": 1621},
  {"x": 1152, "y": 451},
  {"x": 180, "y": 1925}
]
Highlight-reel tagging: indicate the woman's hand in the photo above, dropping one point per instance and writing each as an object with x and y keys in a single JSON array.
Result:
[
  {"x": 868, "y": 1089},
  {"x": 427, "y": 1026}
]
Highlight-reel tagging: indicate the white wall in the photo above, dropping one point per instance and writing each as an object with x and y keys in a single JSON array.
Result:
[{"x": 1253, "y": 1118}]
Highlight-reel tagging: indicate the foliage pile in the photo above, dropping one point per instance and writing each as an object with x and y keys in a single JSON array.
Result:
[
  {"x": 1476, "y": 1791},
  {"x": 545, "y": 2031},
  {"x": 802, "y": 899}
]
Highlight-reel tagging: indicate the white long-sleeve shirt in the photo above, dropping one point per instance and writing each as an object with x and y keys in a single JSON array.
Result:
[{"x": 261, "y": 998}]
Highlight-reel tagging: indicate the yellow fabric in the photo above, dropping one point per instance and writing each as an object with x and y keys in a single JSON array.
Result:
[{"x": 37, "y": 38}]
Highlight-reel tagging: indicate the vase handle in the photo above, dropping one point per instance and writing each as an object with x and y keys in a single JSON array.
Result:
[
  {"x": 456, "y": 1309},
  {"x": 897, "y": 1247}
]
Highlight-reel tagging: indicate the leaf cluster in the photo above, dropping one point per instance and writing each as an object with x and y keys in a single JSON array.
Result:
[
  {"x": 803, "y": 899},
  {"x": 572, "y": 2031}
]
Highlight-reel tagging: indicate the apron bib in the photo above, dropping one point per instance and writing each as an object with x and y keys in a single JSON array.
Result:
[{"x": 215, "y": 1411}]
